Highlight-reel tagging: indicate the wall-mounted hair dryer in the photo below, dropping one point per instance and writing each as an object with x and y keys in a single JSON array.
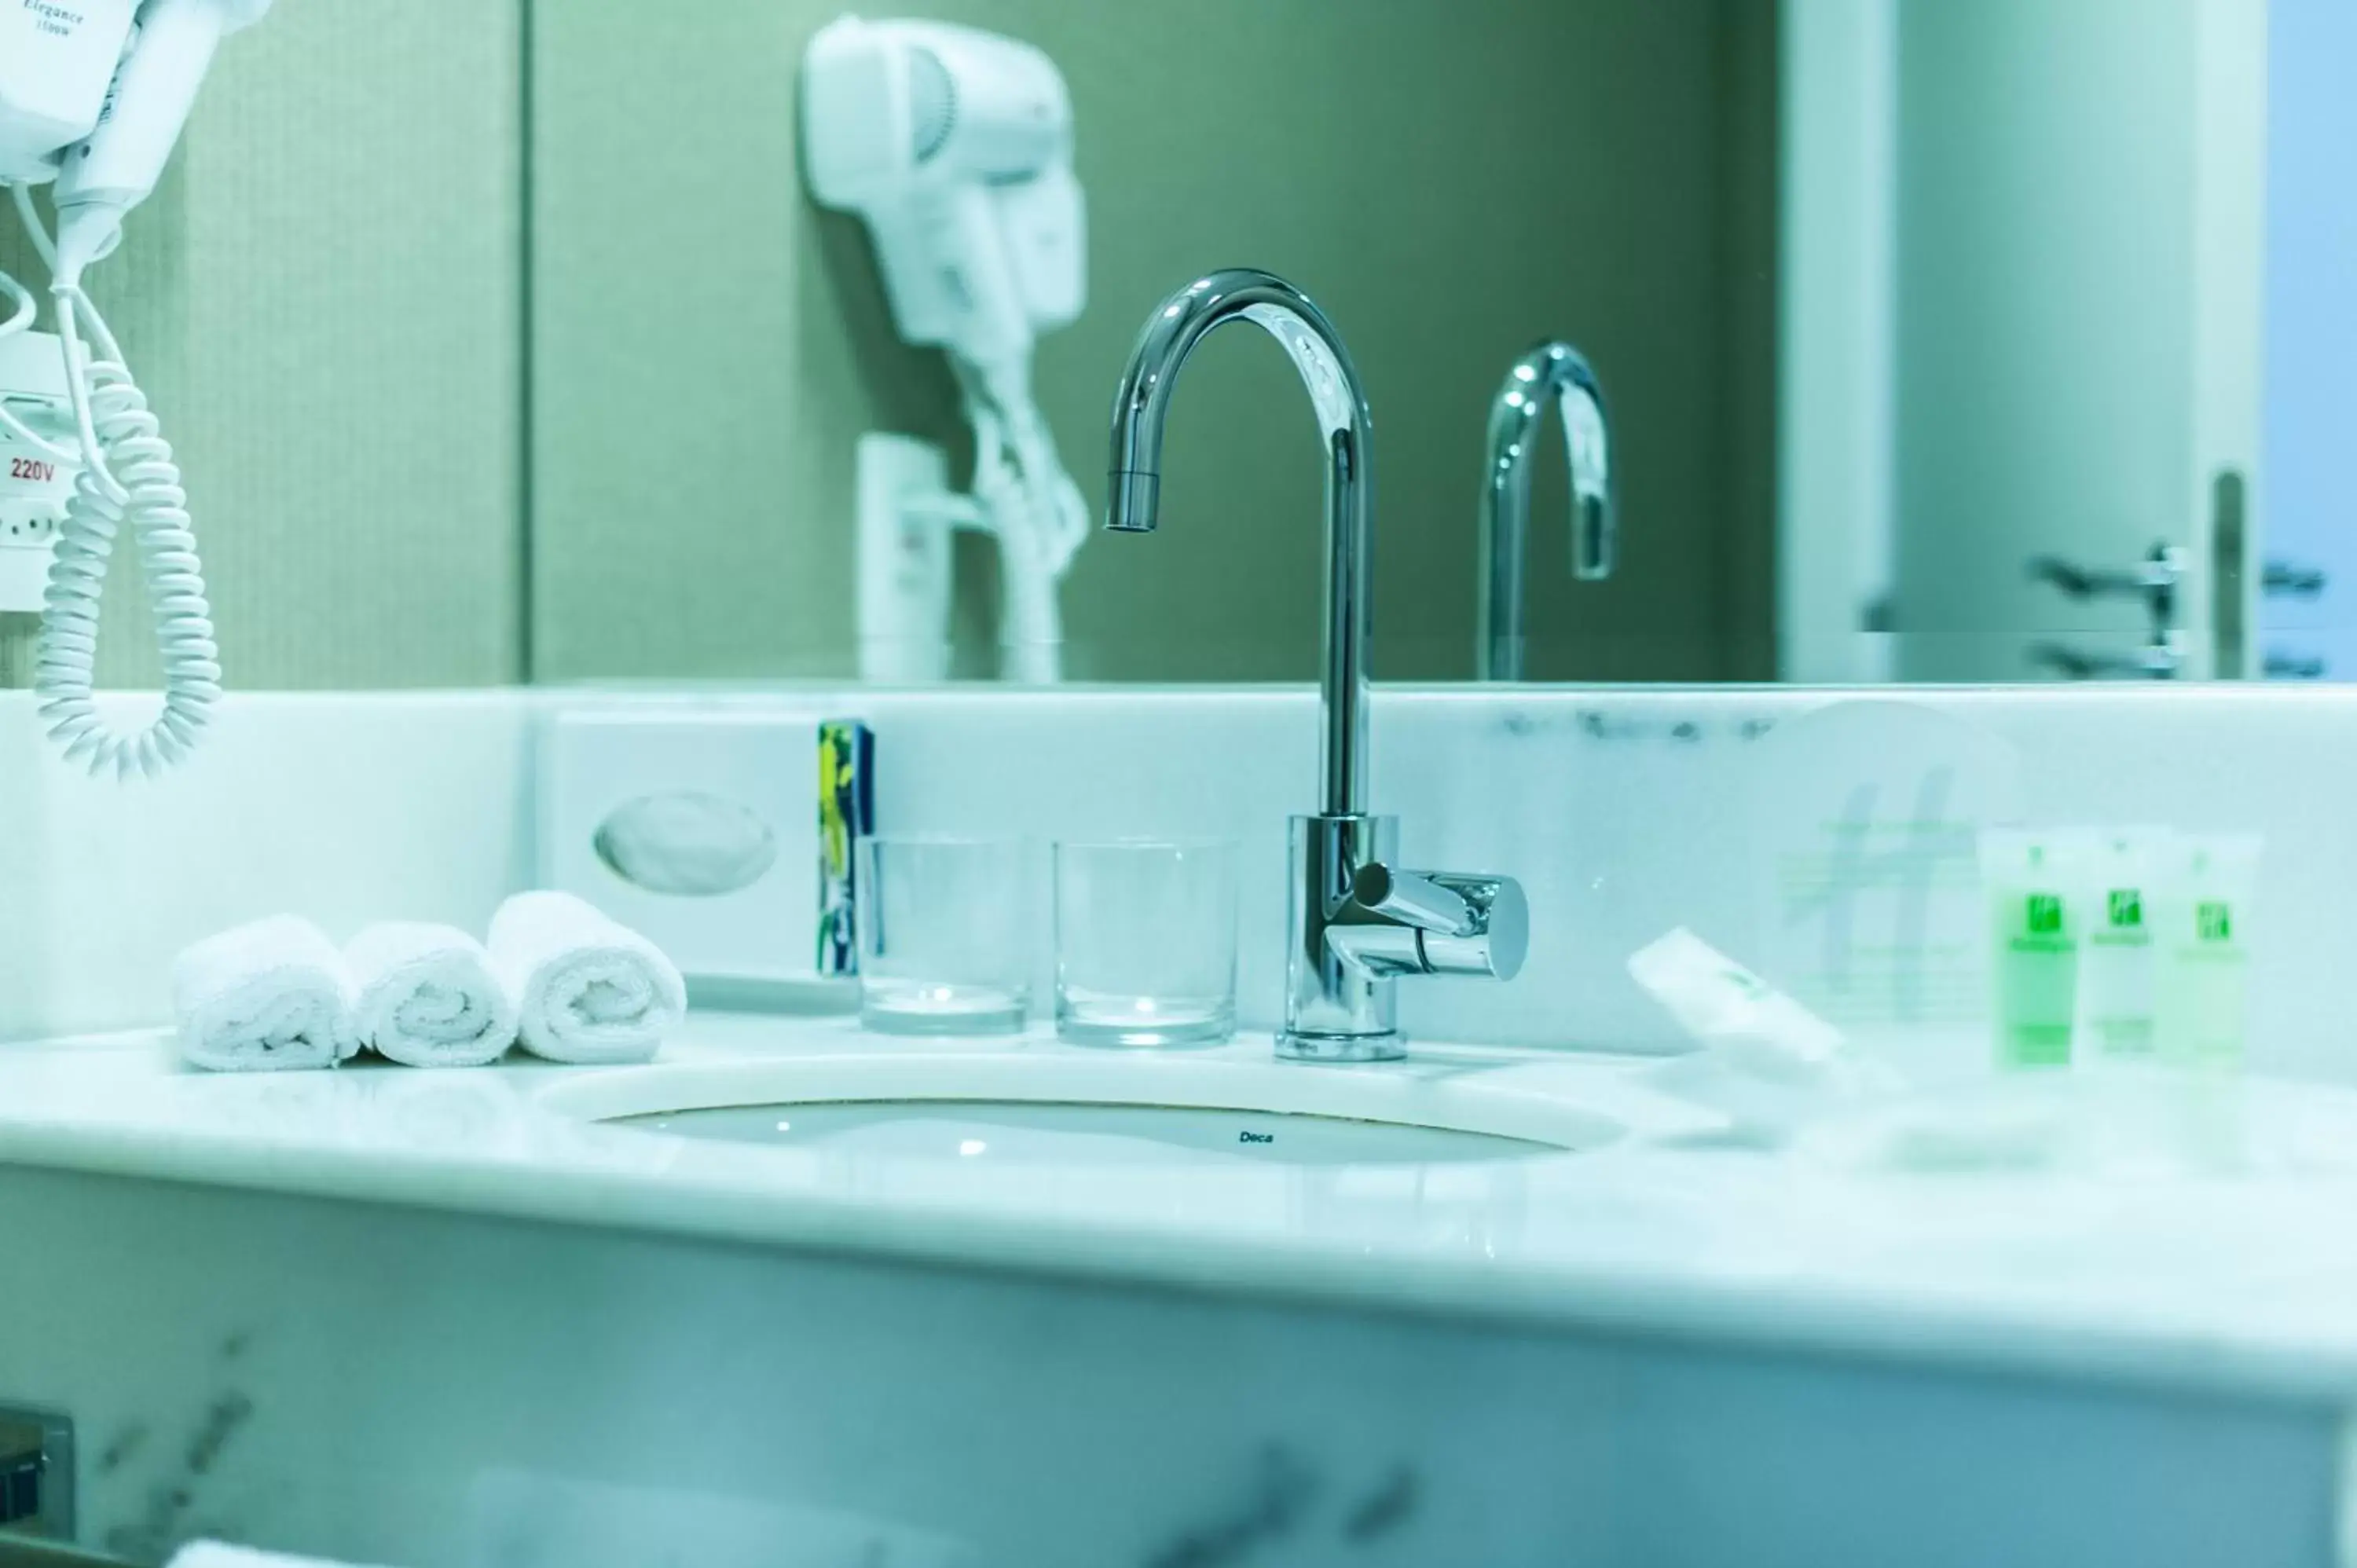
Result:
[
  {"x": 956, "y": 147},
  {"x": 114, "y": 167},
  {"x": 93, "y": 96},
  {"x": 54, "y": 71}
]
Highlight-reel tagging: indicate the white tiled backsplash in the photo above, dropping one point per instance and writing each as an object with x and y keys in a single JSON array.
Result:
[{"x": 1625, "y": 812}]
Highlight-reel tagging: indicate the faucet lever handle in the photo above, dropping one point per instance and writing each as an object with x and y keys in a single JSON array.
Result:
[
  {"x": 1500, "y": 937},
  {"x": 1412, "y": 899},
  {"x": 1474, "y": 924}
]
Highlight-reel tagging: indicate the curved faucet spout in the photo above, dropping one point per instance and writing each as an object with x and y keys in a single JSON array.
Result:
[
  {"x": 1550, "y": 373},
  {"x": 1135, "y": 492}
]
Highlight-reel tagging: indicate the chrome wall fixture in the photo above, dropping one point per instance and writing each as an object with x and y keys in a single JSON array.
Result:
[
  {"x": 2158, "y": 582},
  {"x": 1553, "y": 375}
]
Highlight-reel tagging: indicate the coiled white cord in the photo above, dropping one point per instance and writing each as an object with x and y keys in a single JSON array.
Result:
[
  {"x": 128, "y": 477},
  {"x": 1037, "y": 512}
]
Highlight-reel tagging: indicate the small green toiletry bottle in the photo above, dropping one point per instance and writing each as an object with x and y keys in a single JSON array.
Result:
[
  {"x": 2205, "y": 995},
  {"x": 2118, "y": 973},
  {"x": 2033, "y": 949}
]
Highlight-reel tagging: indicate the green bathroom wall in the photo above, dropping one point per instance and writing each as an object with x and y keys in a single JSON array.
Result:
[
  {"x": 1451, "y": 182},
  {"x": 325, "y": 304}
]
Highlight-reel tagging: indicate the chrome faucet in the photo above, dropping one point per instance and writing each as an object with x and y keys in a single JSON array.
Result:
[
  {"x": 1354, "y": 924},
  {"x": 1548, "y": 374}
]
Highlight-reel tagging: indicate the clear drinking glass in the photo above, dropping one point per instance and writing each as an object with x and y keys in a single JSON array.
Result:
[
  {"x": 944, "y": 935},
  {"x": 1145, "y": 942}
]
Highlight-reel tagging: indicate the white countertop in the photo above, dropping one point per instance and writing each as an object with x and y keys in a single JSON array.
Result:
[{"x": 2234, "y": 1269}]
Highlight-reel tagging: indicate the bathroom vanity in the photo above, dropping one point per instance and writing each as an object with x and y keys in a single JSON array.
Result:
[
  {"x": 516, "y": 1317},
  {"x": 1516, "y": 1300}
]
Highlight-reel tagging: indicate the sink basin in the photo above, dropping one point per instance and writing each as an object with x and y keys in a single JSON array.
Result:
[
  {"x": 1013, "y": 1132},
  {"x": 1088, "y": 1109}
]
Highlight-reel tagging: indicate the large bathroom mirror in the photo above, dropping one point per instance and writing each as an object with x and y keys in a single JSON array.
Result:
[{"x": 1998, "y": 341}]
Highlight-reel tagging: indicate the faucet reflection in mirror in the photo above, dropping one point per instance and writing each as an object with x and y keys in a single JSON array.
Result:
[
  {"x": 1550, "y": 374},
  {"x": 1354, "y": 924}
]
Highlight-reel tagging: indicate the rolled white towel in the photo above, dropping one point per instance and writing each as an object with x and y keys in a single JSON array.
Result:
[
  {"x": 263, "y": 996},
  {"x": 215, "y": 1554},
  {"x": 425, "y": 996},
  {"x": 586, "y": 988}
]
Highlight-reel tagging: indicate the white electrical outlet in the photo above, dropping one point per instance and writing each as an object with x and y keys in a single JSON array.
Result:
[
  {"x": 28, "y": 537},
  {"x": 34, "y": 483}
]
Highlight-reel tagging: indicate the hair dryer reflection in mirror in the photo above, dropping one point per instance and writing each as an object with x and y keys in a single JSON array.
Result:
[{"x": 955, "y": 146}]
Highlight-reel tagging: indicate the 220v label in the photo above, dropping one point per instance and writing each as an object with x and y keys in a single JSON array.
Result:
[{"x": 32, "y": 469}]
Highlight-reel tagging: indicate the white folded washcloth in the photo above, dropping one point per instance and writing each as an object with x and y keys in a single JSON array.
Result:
[
  {"x": 214, "y": 1554},
  {"x": 586, "y": 989},
  {"x": 267, "y": 995},
  {"x": 425, "y": 996}
]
